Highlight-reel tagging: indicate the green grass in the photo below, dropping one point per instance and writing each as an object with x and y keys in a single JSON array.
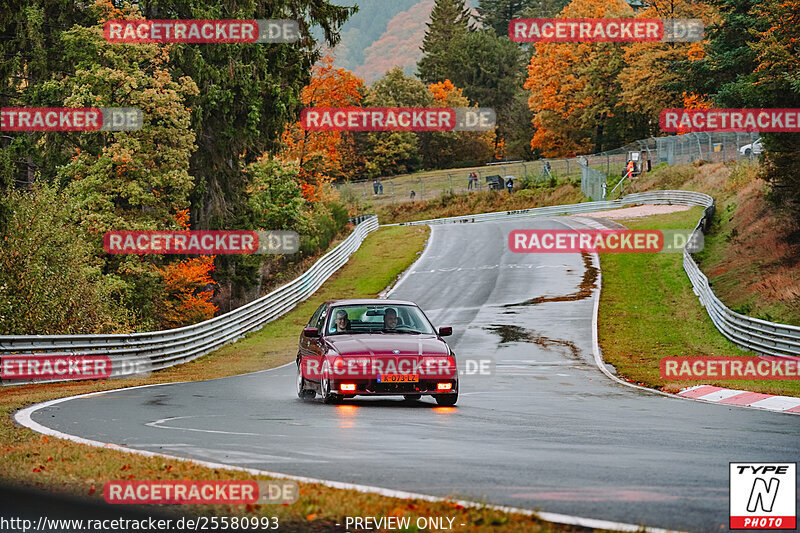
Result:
[{"x": 648, "y": 311}]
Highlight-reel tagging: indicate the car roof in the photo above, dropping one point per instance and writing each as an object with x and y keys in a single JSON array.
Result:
[{"x": 370, "y": 301}]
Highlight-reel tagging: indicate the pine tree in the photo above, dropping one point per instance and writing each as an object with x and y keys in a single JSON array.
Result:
[
  {"x": 496, "y": 14},
  {"x": 449, "y": 20}
]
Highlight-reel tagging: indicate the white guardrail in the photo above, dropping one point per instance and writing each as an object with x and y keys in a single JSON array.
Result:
[
  {"x": 143, "y": 352},
  {"x": 761, "y": 336}
]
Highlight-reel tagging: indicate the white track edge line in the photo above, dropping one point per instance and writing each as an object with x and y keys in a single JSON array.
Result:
[
  {"x": 598, "y": 359},
  {"x": 413, "y": 265},
  {"x": 23, "y": 417}
]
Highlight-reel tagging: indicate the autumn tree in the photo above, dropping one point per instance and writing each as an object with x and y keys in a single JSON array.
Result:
[
  {"x": 394, "y": 152},
  {"x": 650, "y": 80},
  {"x": 574, "y": 89},
  {"x": 446, "y": 149},
  {"x": 187, "y": 295},
  {"x": 490, "y": 71},
  {"x": 449, "y": 19},
  {"x": 318, "y": 153}
]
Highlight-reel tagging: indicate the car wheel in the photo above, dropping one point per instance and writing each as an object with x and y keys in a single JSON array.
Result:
[
  {"x": 446, "y": 400},
  {"x": 302, "y": 392},
  {"x": 412, "y": 397},
  {"x": 748, "y": 152},
  {"x": 325, "y": 387}
]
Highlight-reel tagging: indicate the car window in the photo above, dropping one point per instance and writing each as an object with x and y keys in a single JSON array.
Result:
[
  {"x": 315, "y": 316},
  {"x": 370, "y": 319},
  {"x": 320, "y": 325}
]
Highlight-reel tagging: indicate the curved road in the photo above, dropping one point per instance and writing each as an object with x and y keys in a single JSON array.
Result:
[{"x": 547, "y": 431}]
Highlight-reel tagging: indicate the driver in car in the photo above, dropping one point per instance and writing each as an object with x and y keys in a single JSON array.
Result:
[{"x": 390, "y": 318}]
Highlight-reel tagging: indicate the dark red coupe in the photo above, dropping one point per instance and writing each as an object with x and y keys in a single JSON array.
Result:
[{"x": 375, "y": 347}]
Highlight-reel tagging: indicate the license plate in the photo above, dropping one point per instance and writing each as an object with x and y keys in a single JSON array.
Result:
[{"x": 398, "y": 378}]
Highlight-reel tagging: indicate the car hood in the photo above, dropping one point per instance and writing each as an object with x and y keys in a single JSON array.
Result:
[{"x": 385, "y": 344}]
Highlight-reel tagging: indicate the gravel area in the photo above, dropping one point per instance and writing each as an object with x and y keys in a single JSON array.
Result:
[{"x": 637, "y": 212}]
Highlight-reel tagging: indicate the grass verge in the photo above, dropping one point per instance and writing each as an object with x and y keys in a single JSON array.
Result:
[
  {"x": 648, "y": 311},
  {"x": 28, "y": 459}
]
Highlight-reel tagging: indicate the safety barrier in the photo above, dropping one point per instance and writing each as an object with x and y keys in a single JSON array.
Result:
[
  {"x": 141, "y": 352},
  {"x": 761, "y": 336}
]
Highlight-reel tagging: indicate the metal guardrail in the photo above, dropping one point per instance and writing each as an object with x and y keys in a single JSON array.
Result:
[
  {"x": 139, "y": 352},
  {"x": 761, "y": 336},
  {"x": 652, "y": 197}
]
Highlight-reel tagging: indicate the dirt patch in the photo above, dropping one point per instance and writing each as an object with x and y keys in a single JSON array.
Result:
[
  {"x": 638, "y": 211},
  {"x": 509, "y": 333}
]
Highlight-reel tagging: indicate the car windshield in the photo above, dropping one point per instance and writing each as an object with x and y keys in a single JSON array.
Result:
[{"x": 377, "y": 318}]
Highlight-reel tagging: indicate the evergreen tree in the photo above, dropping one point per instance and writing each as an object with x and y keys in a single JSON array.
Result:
[
  {"x": 496, "y": 14},
  {"x": 450, "y": 19}
]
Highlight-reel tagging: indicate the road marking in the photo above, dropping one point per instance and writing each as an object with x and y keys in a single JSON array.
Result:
[
  {"x": 158, "y": 424},
  {"x": 403, "y": 277},
  {"x": 23, "y": 417}
]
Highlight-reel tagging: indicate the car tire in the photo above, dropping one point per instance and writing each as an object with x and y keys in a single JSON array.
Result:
[
  {"x": 748, "y": 152},
  {"x": 302, "y": 392},
  {"x": 446, "y": 400},
  {"x": 328, "y": 397},
  {"x": 412, "y": 397}
]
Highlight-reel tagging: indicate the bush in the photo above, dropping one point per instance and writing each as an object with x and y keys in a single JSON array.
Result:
[{"x": 49, "y": 280}]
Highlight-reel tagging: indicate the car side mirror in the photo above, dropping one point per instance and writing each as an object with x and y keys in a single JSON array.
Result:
[
  {"x": 445, "y": 331},
  {"x": 310, "y": 332}
]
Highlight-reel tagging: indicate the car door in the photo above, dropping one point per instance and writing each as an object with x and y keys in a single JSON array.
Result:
[{"x": 310, "y": 348}]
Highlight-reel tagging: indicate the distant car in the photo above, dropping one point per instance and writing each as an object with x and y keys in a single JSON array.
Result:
[
  {"x": 375, "y": 348},
  {"x": 755, "y": 148}
]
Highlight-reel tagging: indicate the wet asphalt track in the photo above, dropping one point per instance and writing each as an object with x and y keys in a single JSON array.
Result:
[{"x": 548, "y": 431}]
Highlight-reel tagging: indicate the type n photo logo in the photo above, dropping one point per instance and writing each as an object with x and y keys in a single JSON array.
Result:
[{"x": 763, "y": 495}]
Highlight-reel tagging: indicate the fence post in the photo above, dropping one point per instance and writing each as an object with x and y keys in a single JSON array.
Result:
[
  {"x": 451, "y": 182},
  {"x": 525, "y": 169},
  {"x": 421, "y": 193},
  {"x": 608, "y": 164},
  {"x": 365, "y": 189},
  {"x": 392, "y": 184},
  {"x": 567, "y": 168}
]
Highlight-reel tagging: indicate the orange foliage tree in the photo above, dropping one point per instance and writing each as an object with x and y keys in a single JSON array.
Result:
[
  {"x": 573, "y": 86},
  {"x": 317, "y": 153},
  {"x": 186, "y": 298},
  {"x": 649, "y": 80}
]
